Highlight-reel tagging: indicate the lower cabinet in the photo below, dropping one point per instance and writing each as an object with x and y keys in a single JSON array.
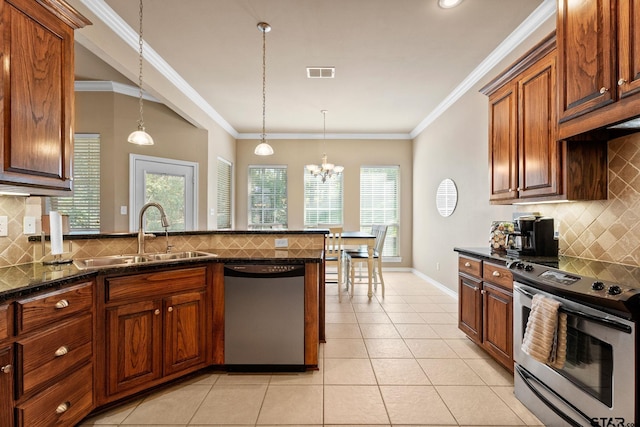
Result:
[
  {"x": 6, "y": 386},
  {"x": 160, "y": 333},
  {"x": 485, "y": 311}
]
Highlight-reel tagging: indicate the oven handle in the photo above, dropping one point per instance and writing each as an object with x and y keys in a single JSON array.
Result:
[
  {"x": 596, "y": 319},
  {"x": 528, "y": 379}
]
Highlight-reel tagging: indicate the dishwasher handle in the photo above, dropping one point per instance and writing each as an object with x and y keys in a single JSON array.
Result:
[{"x": 264, "y": 270}]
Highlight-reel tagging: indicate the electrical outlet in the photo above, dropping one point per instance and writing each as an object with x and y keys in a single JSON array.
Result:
[
  {"x": 437, "y": 266},
  {"x": 29, "y": 225},
  {"x": 282, "y": 243},
  {"x": 123, "y": 210},
  {"x": 4, "y": 227}
]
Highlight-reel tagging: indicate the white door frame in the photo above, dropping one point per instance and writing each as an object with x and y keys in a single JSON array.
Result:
[{"x": 140, "y": 163}]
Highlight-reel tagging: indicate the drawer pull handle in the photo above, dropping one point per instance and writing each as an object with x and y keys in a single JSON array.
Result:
[
  {"x": 63, "y": 407},
  {"x": 62, "y": 304},
  {"x": 170, "y": 309},
  {"x": 622, "y": 82},
  {"x": 467, "y": 264},
  {"x": 604, "y": 90},
  {"x": 6, "y": 369},
  {"x": 156, "y": 312},
  {"x": 496, "y": 274},
  {"x": 61, "y": 351}
]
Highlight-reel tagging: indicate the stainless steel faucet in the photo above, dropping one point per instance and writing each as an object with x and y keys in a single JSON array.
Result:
[{"x": 163, "y": 220}]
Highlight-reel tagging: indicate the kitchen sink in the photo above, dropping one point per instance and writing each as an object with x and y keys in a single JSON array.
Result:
[
  {"x": 177, "y": 255},
  {"x": 127, "y": 260}
]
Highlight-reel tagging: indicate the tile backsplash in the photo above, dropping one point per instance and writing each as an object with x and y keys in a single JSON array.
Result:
[{"x": 606, "y": 230}]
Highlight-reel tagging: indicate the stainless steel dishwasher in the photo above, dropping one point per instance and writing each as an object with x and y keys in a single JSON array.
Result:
[{"x": 264, "y": 316}]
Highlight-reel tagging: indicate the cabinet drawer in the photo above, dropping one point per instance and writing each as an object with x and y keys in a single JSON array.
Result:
[
  {"x": 44, "y": 309},
  {"x": 4, "y": 322},
  {"x": 63, "y": 404},
  {"x": 470, "y": 266},
  {"x": 44, "y": 356},
  {"x": 150, "y": 285},
  {"x": 498, "y": 275}
]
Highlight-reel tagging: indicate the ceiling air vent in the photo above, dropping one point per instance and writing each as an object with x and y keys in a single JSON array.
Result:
[{"x": 321, "y": 72}]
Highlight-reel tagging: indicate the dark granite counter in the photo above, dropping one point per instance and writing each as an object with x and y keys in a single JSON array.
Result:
[
  {"x": 320, "y": 231},
  {"x": 627, "y": 275},
  {"x": 20, "y": 280}
]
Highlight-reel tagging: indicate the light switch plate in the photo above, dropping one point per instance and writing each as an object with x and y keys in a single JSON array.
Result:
[
  {"x": 29, "y": 225},
  {"x": 123, "y": 210},
  {"x": 282, "y": 243},
  {"x": 4, "y": 221}
]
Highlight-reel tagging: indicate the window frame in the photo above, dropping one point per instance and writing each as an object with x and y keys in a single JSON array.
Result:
[
  {"x": 391, "y": 253},
  {"x": 279, "y": 169}
]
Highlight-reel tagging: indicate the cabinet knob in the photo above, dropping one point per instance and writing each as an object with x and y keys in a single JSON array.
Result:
[
  {"x": 622, "y": 82},
  {"x": 604, "y": 90},
  {"x": 170, "y": 309},
  {"x": 61, "y": 351},
  {"x": 63, "y": 407},
  {"x": 496, "y": 274},
  {"x": 156, "y": 312},
  {"x": 6, "y": 369},
  {"x": 62, "y": 304},
  {"x": 510, "y": 190},
  {"x": 467, "y": 264},
  {"x": 518, "y": 189},
  {"x": 482, "y": 292}
]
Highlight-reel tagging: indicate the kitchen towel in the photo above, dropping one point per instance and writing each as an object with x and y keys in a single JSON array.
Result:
[
  {"x": 55, "y": 232},
  {"x": 543, "y": 339}
]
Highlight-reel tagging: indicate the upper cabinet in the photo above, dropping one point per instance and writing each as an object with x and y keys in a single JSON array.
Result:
[
  {"x": 37, "y": 93},
  {"x": 527, "y": 162},
  {"x": 598, "y": 64}
]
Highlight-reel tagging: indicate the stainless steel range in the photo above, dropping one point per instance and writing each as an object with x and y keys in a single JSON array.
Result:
[{"x": 597, "y": 385}]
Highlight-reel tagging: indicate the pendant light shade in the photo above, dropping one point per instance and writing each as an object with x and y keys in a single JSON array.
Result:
[
  {"x": 264, "y": 149},
  {"x": 140, "y": 136}
]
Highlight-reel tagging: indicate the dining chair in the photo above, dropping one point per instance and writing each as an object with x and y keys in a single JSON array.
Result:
[
  {"x": 333, "y": 253},
  {"x": 360, "y": 256}
]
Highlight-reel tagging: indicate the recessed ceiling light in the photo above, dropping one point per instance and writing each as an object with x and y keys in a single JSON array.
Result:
[{"x": 448, "y": 4}]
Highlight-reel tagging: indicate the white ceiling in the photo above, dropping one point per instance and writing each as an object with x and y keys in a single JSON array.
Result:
[{"x": 396, "y": 61}]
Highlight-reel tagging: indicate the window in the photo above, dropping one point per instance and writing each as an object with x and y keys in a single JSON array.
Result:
[
  {"x": 224, "y": 194},
  {"x": 83, "y": 207},
  {"x": 267, "y": 197},
  {"x": 322, "y": 200},
  {"x": 380, "y": 203}
]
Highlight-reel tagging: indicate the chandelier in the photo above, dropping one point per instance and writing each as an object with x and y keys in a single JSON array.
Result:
[
  {"x": 140, "y": 137},
  {"x": 325, "y": 169},
  {"x": 264, "y": 149}
]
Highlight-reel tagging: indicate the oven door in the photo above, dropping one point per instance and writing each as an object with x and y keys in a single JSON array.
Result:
[{"x": 597, "y": 381}]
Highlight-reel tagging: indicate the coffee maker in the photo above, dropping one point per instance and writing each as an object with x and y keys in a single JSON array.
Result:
[{"x": 532, "y": 236}]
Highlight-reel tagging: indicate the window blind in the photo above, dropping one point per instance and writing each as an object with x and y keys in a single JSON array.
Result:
[
  {"x": 223, "y": 207},
  {"x": 323, "y": 201},
  {"x": 83, "y": 207},
  {"x": 267, "y": 197},
  {"x": 380, "y": 203}
]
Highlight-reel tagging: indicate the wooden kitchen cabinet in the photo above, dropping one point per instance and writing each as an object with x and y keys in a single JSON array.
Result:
[
  {"x": 155, "y": 328},
  {"x": 37, "y": 93},
  {"x": 6, "y": 385},
  {"x": 527, "y": 162},
  {"x": 485, "y": 306},
  {"x": 54, "y": 356},
  {"x": 599, "y": 63}
]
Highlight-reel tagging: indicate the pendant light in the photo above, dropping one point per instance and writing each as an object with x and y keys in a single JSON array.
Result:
[
  {"x": 140, "y": 137},
  {"x": 325, "y": 169},
  {"x": 264, "y": 149}
]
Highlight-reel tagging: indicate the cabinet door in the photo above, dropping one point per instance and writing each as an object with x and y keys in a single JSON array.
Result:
[
  {"x": 470, "y": 307},
  {"x": 628, "y": 47},
  {"x": 184, "y": 331},
  {"x": 502, "y": 143},
  {"x": 134, "y": 345},
  {"x": 538, "y": 150},
  {"x": 6, "y": 386},
  {"x": 37, "y": 97},
  {"x": 586, "y": 75},
  {"x": 498, "y": 324}
]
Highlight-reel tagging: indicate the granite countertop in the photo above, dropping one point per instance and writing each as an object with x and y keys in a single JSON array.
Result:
[
  {"x": 503, "y": 257},
  {"x": 20, "y": 280}
]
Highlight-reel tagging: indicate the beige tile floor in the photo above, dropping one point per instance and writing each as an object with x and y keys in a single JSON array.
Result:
[{"x": 400, "y": 360}]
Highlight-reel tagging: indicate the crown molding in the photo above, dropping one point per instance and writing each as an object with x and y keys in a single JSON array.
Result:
[
  {"x": 109, "y": 86},
  {"x": 274, "y": 136}
]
